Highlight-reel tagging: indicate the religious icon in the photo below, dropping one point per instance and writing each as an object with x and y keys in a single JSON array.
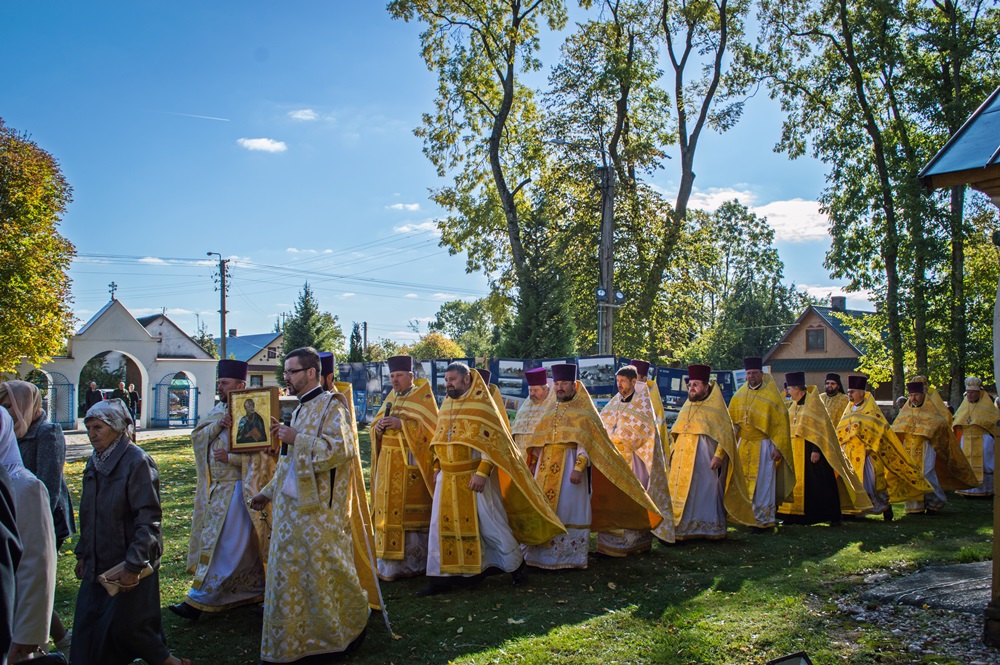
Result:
[{"x": 251, "y": 412}]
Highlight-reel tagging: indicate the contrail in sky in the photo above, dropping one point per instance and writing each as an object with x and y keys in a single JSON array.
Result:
[{"x": 191, "y": 115}]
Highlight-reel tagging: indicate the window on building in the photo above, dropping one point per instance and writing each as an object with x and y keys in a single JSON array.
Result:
[
  {"x": 816, "y": 339},
  {"x": 256, "y": 380},
  {"x": 272, "y": 352}
]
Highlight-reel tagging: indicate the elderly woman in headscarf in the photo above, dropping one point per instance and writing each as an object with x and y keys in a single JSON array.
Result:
[
  {"x": 43, "y": 451},
  {"x": 35, "y": 579},
  {"x": 119, "y": 524}
]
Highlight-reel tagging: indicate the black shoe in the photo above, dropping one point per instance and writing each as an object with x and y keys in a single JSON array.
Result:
[
  {"x": 887, "y": 515},
  {"x": 185, "y": 611},
  {"x": 433, "y": 589},
  {"x": 519, "y": 576},
  {"x": 761, "y": 529}
]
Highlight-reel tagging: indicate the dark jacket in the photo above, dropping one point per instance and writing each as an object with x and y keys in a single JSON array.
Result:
[
  {"x": 93, "y": 397},
  {"x": 120, "y": 512},
  {"x": 43, "y": 450}
]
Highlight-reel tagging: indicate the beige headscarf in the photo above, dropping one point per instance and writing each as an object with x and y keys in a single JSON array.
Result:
[{"x": 25, "y": 404}]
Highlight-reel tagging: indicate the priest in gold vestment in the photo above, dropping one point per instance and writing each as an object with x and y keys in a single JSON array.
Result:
[
  {"x": 876, "y": 454},
  {"x": 228, "y": 547},
  {"x": 570, "y": 438},
  {"x": 705, "y": 483},
  {"x": 975, "y": 425},
  {"x": 631, "y": 425},
  {"x": 494, "y": 390},
  {"x": 760, "y": 417},
  {"x": 825, "y": 483},
  {"x": 930, "y": 441},
  {"x": 655, "y": 399},
  {"x": 402, "y": 479},
  {"x": 314, "y": 602},
  {"x": 485, "y": 502},
  {"x": 834, "y": 398},
  {"x": 541, "y": 398}
]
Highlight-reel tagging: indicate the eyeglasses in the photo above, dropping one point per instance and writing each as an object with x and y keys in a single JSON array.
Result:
[{"x": 293, "y": 372}]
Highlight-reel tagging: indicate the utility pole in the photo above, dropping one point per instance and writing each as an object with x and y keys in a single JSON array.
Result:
[
  {"x": 223, "y": 267},
  {"x": 364, "y": 344},
  {"x": 606, "y": 261}
]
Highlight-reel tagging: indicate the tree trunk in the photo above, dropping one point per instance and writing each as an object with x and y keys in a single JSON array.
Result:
[{"x": 957, "y": 347}]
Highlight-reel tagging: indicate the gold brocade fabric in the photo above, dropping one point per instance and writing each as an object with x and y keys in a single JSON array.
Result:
[
  {"x": 631, "y": 425},
  {"x": 501, "y": 409},
  {"x": 618, "y": 500},
  {"x": 214, "y": 491},
  {"x": 971, "y": 422},
  {"x": 865, "y": 432},
  {"x": 710, "y": 418},
  {"x": 657, "y": 401},
  {"x": 472, "y": 421},
  {"x": 925, "y": 423},
  {"x": 314, "y": 600},
  {"x": 834, "y": 405},
  {"x": 362, "y": 528},
  {"x": 401, "y": 492},
  {"x": 757, "y": 415},
  {"x": 811, "y": 422},
  {"x": 526, "y": 421}
]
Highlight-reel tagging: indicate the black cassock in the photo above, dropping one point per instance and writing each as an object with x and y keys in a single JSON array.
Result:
[{"x": 822, "y": 498}]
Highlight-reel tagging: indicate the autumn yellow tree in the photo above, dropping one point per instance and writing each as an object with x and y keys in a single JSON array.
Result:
[{"x": 35, "y": 315}]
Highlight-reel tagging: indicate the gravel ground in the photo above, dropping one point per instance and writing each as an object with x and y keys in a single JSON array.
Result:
[{"x": 922, "y": 632}]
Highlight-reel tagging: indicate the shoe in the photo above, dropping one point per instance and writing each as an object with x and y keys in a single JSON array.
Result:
[
  {"x": 761, "y": 529},
  {"x": 887, "y": 515},
  {"x": 64, "y": 644},
  {"x": 433, "y": 589},
  {"x": 185, "y": 611},
  {"x": 520, "y": 576}
]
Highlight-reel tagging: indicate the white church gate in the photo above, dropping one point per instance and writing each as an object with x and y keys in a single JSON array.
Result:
[{"x": 175, "y": 402}]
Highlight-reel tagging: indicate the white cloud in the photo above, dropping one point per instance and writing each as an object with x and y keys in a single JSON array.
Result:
[
  {"x": 263, "y": 145},
  {"x": 855, "y": 300},
  {"x": 152, "y": 260},
  {"x": 427, "y": 225},
  {"x": 292, "y": 250},
  {"x": 796, "y": 220},
  {"x": 404, "y": 335},
  {"x": 445, "y": 296},
  {"x": 793, "y": 220},
  {"x": 295, "y": 250},
  {"x": 411, "y": 295},
  {"x": 328, "y": 251},
  {"x": 303, "y": 114},
  {"x": 347, "y": 295},
  {"x": 411, "y": 207}
]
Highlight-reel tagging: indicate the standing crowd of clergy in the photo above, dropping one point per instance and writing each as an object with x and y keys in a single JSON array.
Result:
[{"x": 457, "y": 494}]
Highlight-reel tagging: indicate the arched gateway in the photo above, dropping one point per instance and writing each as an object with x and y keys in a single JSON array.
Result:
[{"x": 136, "y": 351}]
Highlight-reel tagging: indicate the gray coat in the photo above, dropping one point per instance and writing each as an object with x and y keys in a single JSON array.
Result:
[
  {"x": 120, "y": 512},
  {"x": 43, "y": 450}
]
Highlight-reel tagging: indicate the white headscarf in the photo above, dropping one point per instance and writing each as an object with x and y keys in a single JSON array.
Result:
[
  {"x": 10, "y": 454},
  {"x": 112, "y": 412}
]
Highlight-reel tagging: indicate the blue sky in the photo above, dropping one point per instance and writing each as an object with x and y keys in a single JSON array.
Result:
[{"x": 280, "y": 134}]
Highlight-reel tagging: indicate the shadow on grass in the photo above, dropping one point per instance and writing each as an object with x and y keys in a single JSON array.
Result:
[{"x": 743, "y": 600}]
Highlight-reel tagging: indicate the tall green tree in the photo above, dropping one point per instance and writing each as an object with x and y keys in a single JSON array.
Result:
[
  {"x": 35, "y": 318},
  {"x": 357, "y": 352},
  {"x": 307, "y": 325},
  {"x": 484, "y": 131},
  {"x": 206, "y": 341},
  {"x": 475, "y": 326},
  {"x": 741, "y": 295}
]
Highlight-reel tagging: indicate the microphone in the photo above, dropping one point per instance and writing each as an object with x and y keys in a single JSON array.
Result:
[
  {"x": 388, "y": 409},
  {"x": 286, "y": 420}
]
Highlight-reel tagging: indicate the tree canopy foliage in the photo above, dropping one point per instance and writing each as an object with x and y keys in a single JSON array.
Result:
[
  {"x": 35, "y": 315},
  {"x": 872, "y": 90}
]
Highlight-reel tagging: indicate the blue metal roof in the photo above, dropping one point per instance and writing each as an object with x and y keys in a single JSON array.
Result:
[
  {"x": 246, "y": 347},
  {"x": 975, "y": 146}
]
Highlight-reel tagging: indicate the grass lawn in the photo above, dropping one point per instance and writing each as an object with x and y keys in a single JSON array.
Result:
[{"x": 744, "y": 600}]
